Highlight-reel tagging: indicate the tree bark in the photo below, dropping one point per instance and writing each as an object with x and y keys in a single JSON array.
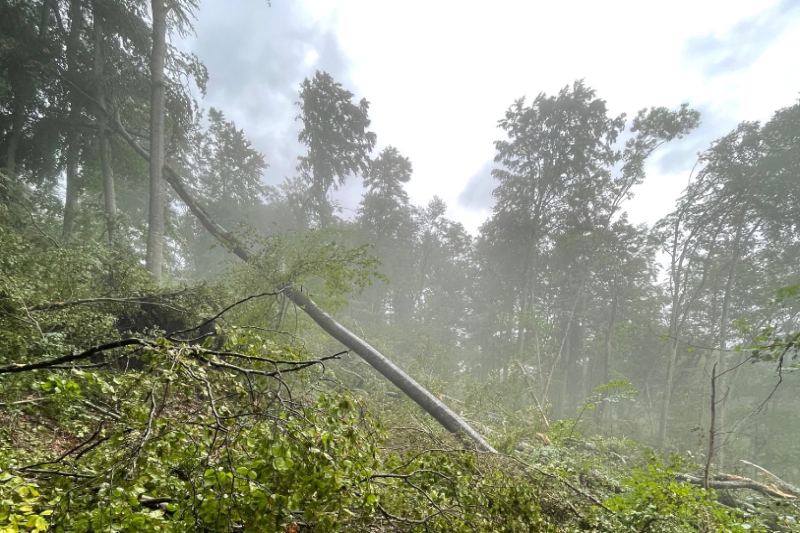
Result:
[
  {"x": 432, "y": 405},
  {"x": 109, "y": 193},
  {"x": 155, "y": 223},
  {"x": 73, "y": 135}
]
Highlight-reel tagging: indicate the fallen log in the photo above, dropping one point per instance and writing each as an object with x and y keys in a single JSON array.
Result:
[
  {"x": 733, "y": 482},
  {"x": 784, "y": 486}
]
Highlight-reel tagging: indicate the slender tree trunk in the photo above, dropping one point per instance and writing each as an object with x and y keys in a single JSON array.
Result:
[
  {"x": 155, "y": 225},
  {"x": 563, "y": 340},
  {"x": 723, "y": 329},
  {"x": 673, "y": 350},
  {"x": 538, "y": 349},
  {"x": 662, "y": 426},
  {"x": 102, "y": 136},
  {"x": 566, "y": 361},
  {"x": 712, "y": 427},
  {"x": 73, "y": 135},
  {"x": 605, "y": 369},
  {"x": 521, "y": 323},
  {"x": 576, "y": 367}
]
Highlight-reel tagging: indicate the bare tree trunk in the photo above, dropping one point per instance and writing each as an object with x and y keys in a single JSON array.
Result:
[
  {"x": 155, "y": 223},
  {"x": 712, "y": 427},
  {"x": 102, "y": 136},
  {"x": 432, "y": 405},
  {"x": 73, "y": 135}
]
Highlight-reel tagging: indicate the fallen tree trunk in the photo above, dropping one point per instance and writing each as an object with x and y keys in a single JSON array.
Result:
[
  {"x": 781, "y": 484},
  {"x": 432, "y": 405},
  {"x": 732, "y": 482}
]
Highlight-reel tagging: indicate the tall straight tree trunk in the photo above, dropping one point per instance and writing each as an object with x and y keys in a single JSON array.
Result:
[
  {"x": 155, "y": 223},
  {"x": 73, "y": 135},
  {"x": 102, "y": 136}
]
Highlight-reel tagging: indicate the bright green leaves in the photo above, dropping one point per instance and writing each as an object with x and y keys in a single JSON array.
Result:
[
  {"x": 56, "y": 385},
  {"x": 22, "y": 507}
]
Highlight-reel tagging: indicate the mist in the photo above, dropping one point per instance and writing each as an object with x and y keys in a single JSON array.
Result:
[{"x": 284, "y": 266}]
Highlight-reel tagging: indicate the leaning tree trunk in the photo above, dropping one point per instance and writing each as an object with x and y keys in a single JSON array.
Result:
[
  {"x": 433, "y": 406},
  {"x": 73, "y": 135},
  {"x": 155, "y": 223},
  {"x": 109, "y": 193}
]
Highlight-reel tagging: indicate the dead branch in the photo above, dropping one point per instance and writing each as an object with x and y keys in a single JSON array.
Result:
[{"x": 10, "y": 369}]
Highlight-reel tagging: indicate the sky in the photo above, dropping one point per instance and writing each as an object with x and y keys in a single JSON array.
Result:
[{"x": 439, "y": 74}]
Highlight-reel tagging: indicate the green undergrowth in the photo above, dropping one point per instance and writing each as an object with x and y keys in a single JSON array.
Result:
[
  {"x": 145, "y": 451},
  {"x": 269, "y": 433}
]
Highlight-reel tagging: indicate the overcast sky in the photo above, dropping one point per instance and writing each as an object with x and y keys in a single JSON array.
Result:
[{"x": 440, "y": 74}]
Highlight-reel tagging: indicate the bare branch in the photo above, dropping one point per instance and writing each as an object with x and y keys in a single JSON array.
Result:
[{"x": 10, "y": 369}]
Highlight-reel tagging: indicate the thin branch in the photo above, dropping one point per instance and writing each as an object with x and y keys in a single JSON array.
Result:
[
  {"x": 218, "y": 315},
  {"x": 147, "y": 431},
  {"x": 59, "y": 473},
  {"x": 10, "y": 369}
]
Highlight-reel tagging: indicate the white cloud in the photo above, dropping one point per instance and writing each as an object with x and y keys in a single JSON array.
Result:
[{"x": 439, "y": 74}]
